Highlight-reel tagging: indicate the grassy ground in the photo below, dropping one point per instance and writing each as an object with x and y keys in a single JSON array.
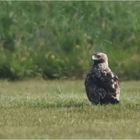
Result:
[{"x": 60, "y": 109}]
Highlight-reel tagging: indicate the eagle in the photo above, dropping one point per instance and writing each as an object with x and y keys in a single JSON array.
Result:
[{"x": 101, "y": 84}]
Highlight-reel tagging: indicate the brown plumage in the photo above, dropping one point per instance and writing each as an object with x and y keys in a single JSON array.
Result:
[{"x": 102, "y": 85}]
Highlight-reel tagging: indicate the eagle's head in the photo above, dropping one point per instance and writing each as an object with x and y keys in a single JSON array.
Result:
[{"x": 100, "y": 58}]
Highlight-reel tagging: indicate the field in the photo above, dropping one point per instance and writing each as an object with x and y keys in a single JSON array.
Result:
[{"x": 60, "y": 109}]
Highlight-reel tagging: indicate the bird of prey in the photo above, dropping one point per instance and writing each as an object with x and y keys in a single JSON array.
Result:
[{"x": 101, "y": 84}]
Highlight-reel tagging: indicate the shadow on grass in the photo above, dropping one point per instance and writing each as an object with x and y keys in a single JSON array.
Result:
[
  {"x": 68, "y": 104},
  {"x": 47, "y": 105}
]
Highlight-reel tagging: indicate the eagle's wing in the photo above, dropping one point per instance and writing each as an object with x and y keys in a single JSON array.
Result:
[
  {"x": 111, "y": 84},
  {"x": 107, "y": 79}
]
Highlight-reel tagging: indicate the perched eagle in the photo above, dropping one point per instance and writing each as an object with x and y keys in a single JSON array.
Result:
[{"x": 102, "y": 85}]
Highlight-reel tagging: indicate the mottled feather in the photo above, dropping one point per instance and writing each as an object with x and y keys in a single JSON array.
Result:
[{"x": 102, "y": 85}]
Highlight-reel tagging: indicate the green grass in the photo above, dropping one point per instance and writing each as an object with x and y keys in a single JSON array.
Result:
[{"x": 60, "y": 109}]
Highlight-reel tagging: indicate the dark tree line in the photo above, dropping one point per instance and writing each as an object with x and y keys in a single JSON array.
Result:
[{"x": 56, "y": 39}]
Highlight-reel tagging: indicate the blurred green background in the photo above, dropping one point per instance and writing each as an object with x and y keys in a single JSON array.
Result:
[{"x": 56, "y": 39}]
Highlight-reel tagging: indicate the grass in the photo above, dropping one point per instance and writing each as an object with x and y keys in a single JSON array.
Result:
[{"x": 60, "y": 109}]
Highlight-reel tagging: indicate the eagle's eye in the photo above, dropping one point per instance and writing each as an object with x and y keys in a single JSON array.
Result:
[{"x": 98, "y": 56}]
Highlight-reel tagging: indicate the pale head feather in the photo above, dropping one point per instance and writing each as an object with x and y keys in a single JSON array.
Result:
[{"x": 100, "y": 56}]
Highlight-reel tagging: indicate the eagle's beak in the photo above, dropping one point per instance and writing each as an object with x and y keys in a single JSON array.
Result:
[{"x": 94, "y": 57}]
